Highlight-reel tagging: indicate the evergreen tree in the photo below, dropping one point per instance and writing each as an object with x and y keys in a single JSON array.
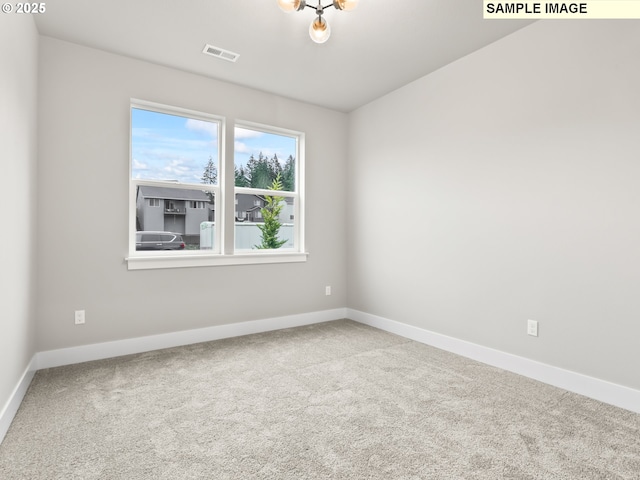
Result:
[
  {"x": 251, "y": 166},
  {"x": 210, "y": 176},
  {"x": 259, "y": 172},
  {"x": 262, "y": 171},
  {"x": 275, "y": 168},
  {"x": 289, "y": 175},
  {"x": 241, "y": 177},
  {"x": 270, "y": 213}
]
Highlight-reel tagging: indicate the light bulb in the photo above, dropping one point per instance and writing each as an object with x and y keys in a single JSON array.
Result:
[
  {"x": 289, "y": 6},
  {"x": 345, "y": 4},
  {"x": 319, "y": 30}
]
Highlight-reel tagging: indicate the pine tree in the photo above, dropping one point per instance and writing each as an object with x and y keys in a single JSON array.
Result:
[
  {"x": 259, "y": 173},
  {"x": 252, "y": 163},
  {"x": 275, "y": 168},
  {"x": 241, "y": 177},
  {"x": 270, "y": 213},
  {"x": 210, "y": 176},
  {"x": 289, "y": 175}
]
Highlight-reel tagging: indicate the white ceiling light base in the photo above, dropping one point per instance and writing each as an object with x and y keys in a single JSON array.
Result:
[{"x": 319, "y": 30}]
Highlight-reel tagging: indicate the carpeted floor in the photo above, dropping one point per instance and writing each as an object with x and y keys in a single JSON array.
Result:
[{"x": 337, "y": 400}]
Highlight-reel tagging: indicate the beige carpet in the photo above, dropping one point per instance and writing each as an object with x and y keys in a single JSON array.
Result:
[{"x": 337, "y": 400}]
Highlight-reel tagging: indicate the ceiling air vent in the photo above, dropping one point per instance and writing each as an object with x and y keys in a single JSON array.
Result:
[{"x": 220, "y": 53}]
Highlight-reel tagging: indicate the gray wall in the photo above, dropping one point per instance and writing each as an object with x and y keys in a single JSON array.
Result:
[
  {"x": 504, "y": 187},
  {"x": 151, "y": 218},
  {"x": 193, "y": 218},
  {"x": 18, "y": 127},
  {"x": 83, "y": 185}
]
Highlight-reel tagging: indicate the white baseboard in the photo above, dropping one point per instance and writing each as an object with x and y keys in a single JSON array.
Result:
[
  {"x": 12, "y": 405},
  {"x": 601, "y": 390},
  {"x": 99, "y": 351}
]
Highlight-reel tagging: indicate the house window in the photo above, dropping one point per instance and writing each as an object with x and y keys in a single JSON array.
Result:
[
  {"x": 267, "y": 160},
  {"x": 175, "y": 163}
]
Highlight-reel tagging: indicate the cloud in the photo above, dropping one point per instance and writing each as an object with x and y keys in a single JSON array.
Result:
[
  {"x": 142, "y": 132},
  {"x": 139, "y": 165},
  {"x": 162, "y": 165},
  {"x": 209, "y": 128},
  {"x": 245, "y": 133},
  {"x": 177, "y": 167},
  {"x": 240, "y": 147},
  {"x": 175, "y": 148}
]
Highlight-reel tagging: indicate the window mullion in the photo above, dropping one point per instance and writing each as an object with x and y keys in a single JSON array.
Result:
[{"x": 227, "y": 185}]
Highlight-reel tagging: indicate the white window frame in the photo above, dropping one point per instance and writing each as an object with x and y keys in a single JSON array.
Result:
[
  {"x": 297, "y": 195},
  {"x": 224, "y": 254}
]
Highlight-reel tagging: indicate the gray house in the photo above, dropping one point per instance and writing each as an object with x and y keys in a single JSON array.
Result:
[
  {"x": 182, "y": 210},
  {"x": 178, "y": 210},
  {"x": 248, "y": 209}
]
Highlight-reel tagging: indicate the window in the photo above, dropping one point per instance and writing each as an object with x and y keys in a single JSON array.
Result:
[
  {"x": 176, "y": 163},
  {"x": 265, "y": 161}
]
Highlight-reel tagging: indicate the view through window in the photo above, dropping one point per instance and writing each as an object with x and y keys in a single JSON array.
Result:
[
  {"x": 266, "y": 192},
  {"x": 177, "y": 192},
  {"x": 174, "y": 171}
]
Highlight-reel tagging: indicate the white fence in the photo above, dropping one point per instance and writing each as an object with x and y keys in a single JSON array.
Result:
[{"x": 248, "y": 235}]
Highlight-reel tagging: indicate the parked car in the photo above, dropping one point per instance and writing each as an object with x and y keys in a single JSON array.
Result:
[{"x": 146, "y": 240}]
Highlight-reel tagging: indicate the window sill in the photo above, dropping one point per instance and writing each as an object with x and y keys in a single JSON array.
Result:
[{"x": 150, "y": 262}]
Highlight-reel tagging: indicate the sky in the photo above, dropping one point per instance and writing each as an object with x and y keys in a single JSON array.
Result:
[{"x": 170, "y": 147}]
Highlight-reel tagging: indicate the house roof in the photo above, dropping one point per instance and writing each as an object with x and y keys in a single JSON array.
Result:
[{"x": 172, "y": 193}]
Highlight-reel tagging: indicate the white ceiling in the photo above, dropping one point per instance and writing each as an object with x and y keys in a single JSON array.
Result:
[{"x": 377, "y": 48}]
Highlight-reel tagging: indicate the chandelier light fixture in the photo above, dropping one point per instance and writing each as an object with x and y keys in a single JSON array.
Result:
[{"x": 319, "y": 30}]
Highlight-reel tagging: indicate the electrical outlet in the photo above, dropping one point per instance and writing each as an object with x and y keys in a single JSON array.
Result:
[
  {"x": 532, "y": 328},
  {"x": 79, "y": 317},
  {"x": 327, "y": 290}
]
